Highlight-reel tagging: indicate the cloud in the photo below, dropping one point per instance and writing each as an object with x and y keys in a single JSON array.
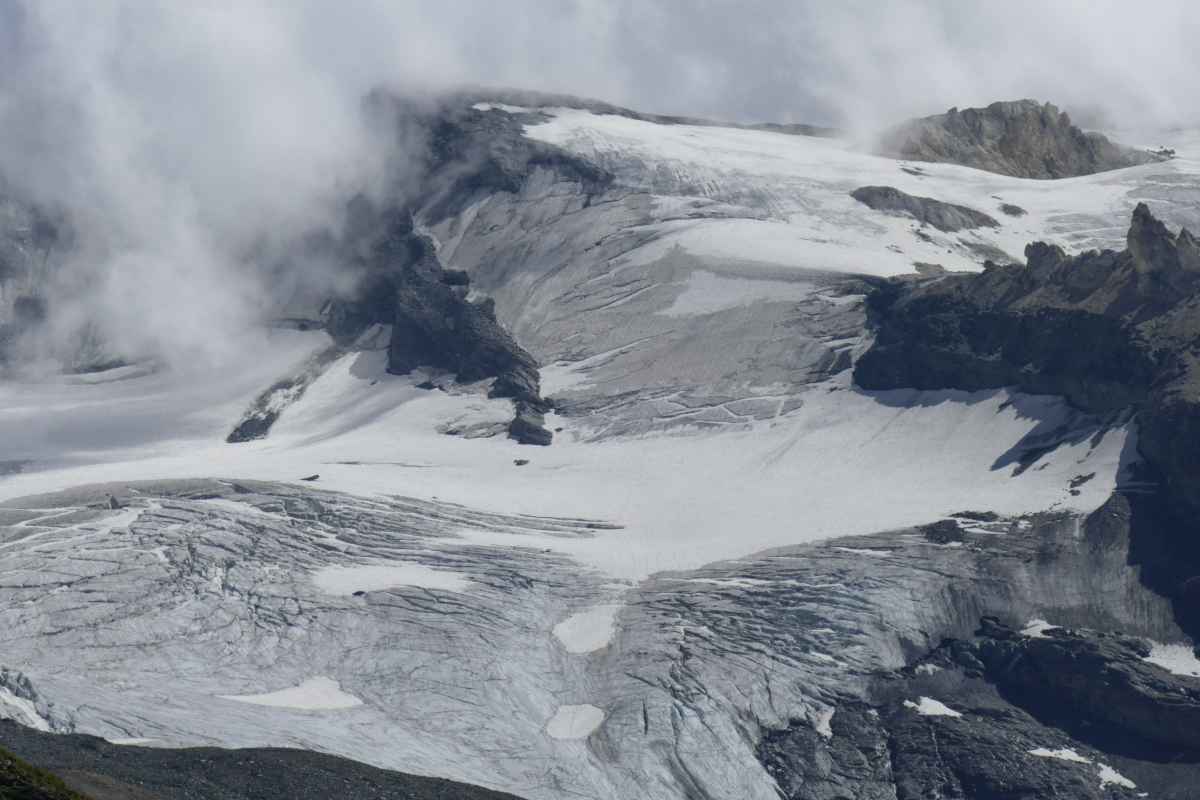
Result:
[{"x": 184, "y": 137}]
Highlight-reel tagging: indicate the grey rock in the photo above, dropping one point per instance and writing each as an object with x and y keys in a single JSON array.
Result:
[
  {"x": 943, "y": 216},
  {"x": 1022, "y": 138}
]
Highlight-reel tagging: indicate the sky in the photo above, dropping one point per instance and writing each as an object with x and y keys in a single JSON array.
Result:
[{"x": 178, "y": 136}]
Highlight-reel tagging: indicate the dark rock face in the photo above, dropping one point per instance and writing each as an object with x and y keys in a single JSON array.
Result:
[
  {"x": 256, "y": 423},
  {"x": 106, "y": 771},
  {"x": 943, "y": 216},
  {"x": 1100, "y": 681},
  {"x": 434, "y": 324},
  {"x": 1066, "y": 714},
  {"x": 852, "y": 763},
  {"x": 1021, "y": 138}
]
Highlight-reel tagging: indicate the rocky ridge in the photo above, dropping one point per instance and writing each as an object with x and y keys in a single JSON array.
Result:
[
  {"x": 946, "y": 217},
  {"x": 106, "y": 771},
  {"x": 1021, "y": 138}
]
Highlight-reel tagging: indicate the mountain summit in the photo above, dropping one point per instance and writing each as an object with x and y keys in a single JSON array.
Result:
[{"x": 1022, "y": 138}]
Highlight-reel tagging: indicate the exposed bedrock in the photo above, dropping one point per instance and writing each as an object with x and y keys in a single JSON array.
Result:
[
  {"x": 1108, "y": 330},
  {"x": 1022, "y": 138},
  {"x": 943, "y": 216}
]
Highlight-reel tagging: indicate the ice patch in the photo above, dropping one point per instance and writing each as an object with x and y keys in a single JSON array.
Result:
[
  {"x": 1036, "y": 628},
  {"x": 346, "y": 580},
  {"x": 928, "y": 669},
  {"x": 1178, "y": 659},
  {"x": 574, "y": 722},
  {"x": 928, "y": 707},
  {"x": 315, "y": 694},
  {"x": 588, "y": 630},
  {"x": 707, "y": 292},
  {"x": 21, "y": 710}
]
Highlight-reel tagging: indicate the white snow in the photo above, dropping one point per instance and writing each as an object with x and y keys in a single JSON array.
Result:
[
  {"x": 809, "y": 219},
  {"x": 131, "y": 741},
  {"x": 1062, "y": 754},
  {"x": 1109, "y": 775},
  {"x": 1178, "y": 659},
  {"x": 1036, "y": 628},
  {"x": 916, "y": 455},
  {"x": 505, "y": 107},
  {"x": 824, "y": 720},
  {"x": 706, "y": 292},
  {"x": 589, "y": 630},
  {"x": 574, "y": 722},
  {"x": 348, "y": 579},
  {"x": 928, "y": 707},
  {"x": 315, "y": 694},
  {"x": 928, "y": 669}
]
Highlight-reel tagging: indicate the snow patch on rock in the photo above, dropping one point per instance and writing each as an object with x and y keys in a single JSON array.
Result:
[
  {"x": 1178, "y": 659},
  {"x": 928, "y": 707}
]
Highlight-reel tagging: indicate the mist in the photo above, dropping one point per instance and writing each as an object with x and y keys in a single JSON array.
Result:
[{"x": 180, "y": 138}]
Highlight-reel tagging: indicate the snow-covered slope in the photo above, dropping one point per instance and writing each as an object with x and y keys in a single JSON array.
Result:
[{"x": 610, "y": 616}]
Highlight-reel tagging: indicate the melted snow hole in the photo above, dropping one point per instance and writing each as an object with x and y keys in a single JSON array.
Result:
[
  {"x": 574, "y": 722},
  {"x": 588, "y": 630},
  {"x": 315, "y": 694}
]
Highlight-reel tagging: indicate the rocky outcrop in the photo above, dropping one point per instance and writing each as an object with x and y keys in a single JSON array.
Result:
[
  {"x": 1047, "y": 712},
  {"x": 1096, "y": 680},
  {"x": 943, "y": 216},
  {"x": 1022, "y": 138},
  {"x": 1108, "y": 330},
  {"x": 434, "y": 321}
]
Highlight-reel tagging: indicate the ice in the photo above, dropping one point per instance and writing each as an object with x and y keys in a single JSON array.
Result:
[
  {"x": 22, "y": 710},
  {"x": 315, "y": 694},
  {"x": 574, "y": 722},
  {"x": 1178, "y": 659},
  {"x": 346, "y": 580},
  {"x": 588, "y": 630},
  {"x": 1062, "y": 754},
  {"x": 928, "y": 707}
]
